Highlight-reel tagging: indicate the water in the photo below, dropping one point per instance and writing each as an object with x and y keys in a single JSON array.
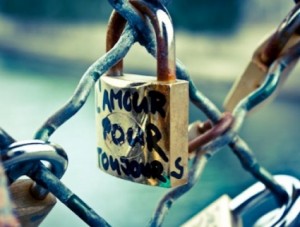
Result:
[{"x": 29, "y": 96}]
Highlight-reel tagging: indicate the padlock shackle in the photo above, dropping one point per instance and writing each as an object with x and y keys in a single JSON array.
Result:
[
  {"x": 211, "y": 132},
  {"x": 31, "y": 151},
  {"x": 115, "y": 28},
  {"x": 162, "y": 25}
]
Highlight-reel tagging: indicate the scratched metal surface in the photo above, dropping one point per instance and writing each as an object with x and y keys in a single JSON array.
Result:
[{"x": 29, "y": 96}]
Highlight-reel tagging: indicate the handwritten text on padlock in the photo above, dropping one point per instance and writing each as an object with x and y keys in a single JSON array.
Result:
[{"x": 126, "y": 136}]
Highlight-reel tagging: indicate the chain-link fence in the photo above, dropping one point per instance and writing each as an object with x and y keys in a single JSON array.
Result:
[{"x": 273, "y": 59}]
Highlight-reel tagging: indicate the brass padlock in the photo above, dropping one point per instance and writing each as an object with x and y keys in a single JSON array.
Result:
[{"x": 142, "y": 121}]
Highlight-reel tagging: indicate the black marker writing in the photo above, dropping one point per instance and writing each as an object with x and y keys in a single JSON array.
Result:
[
  {"x": 154, "y": 102},
  {"x": 131, "y": 168}
]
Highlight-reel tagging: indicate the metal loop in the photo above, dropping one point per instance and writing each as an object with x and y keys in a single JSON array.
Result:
[
  {"x": 115, "y": 27},
  {"x": 24, "y": 158},
  {"x": 34, "y": 150},
  {"x": 162, "y": 25},
  {"x": 269, "y": 213},
  {"x": 211, "y": 132},
  {"x": 29, "y": 154}
]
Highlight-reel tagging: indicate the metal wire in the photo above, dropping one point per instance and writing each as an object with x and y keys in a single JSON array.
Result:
[
  {"x": 24, "y": 159},
  {"x": 86, "y": 84},
  {"x": 197, "y": 164},
  {"x": 212, "y": 132},
  {"x": 43, "y": 177}
]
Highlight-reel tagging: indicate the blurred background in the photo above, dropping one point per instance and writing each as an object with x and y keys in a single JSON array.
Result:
[{"x": 46, "y": 46}]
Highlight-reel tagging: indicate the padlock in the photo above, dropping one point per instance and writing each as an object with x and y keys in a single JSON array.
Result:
[
  {"x": 142, "y": 121},
  {"x": 30, "y": 211},
  {"x": 31, "y": 204},
  {"x": 256, "y": 206},
  {"x": 277, "y": 44}
]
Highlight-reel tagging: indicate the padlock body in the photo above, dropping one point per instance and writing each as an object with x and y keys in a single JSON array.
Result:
[{"x": 142, "y": 129}]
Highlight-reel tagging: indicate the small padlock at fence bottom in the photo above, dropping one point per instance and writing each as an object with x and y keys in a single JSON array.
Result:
[
  {"x": 217, "y": 214},
  {"x": 255, "y": 206},
  {"x": 30, "y": 211},
  {"x": 142, "y": 121}
]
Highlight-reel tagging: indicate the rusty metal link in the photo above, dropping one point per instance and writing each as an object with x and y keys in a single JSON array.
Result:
[
  {"x": 275, "y": 44},
  {"x": 209, "y": 132}
]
